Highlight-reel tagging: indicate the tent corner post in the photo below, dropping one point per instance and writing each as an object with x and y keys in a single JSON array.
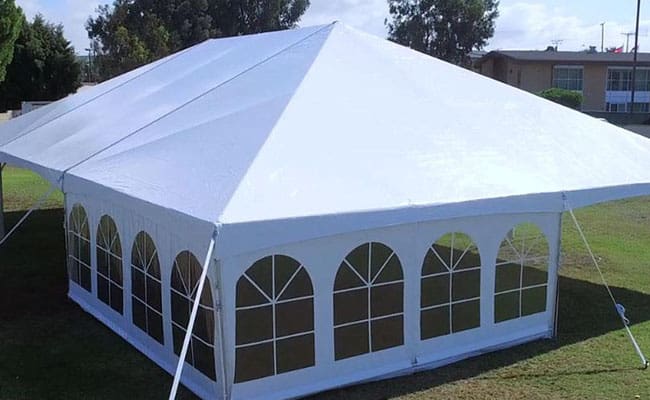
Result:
[
  {"x": 226, "y": 386},
  {"x": 558, "y": 262}
]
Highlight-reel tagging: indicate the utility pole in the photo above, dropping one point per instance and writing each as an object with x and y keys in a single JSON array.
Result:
[
  {"x": 602, "y": 37},
  {"x": 636, "y": 52},
  {"x": 90, "y": 63}
]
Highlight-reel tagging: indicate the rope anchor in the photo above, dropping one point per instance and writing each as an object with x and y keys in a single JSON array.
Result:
[
  {"x": 620, "y": 309},
  {"x": 621, "y": 312}
]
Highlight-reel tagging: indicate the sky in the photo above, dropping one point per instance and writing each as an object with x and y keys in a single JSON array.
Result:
[{"x": 522, "y": 24}]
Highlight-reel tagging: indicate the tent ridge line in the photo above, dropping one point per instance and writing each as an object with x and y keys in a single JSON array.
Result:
[
  {"x": 163, "y": 62},
  {"x": 273, "y": 128},
  {"x": 176, "y": 109}
]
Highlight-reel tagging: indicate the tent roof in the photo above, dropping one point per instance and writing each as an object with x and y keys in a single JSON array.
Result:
[{"x": 321, "y": 122}]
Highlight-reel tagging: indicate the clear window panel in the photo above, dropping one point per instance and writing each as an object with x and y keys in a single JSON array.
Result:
[{"x": 274, "y": 319}]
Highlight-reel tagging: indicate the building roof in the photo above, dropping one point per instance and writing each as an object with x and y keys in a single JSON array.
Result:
[
  {"x": 292, "y": 135},
  {"x": 567, "y": 56}
]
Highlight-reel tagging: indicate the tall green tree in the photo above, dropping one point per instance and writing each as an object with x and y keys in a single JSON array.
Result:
[
  {"x": 11, "y": 20},
  {"x": 44, "y": 66},
  {"x": 447, "y": 29},
  {"x": 130, "y": 33}
]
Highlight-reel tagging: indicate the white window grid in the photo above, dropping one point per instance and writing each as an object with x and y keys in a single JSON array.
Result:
[
  {"x": 190, "y": 294},
  {"x": 106, "y": 245},
  {"x": 569, "y": 77},
  {"x": 80, "y": 230},
  {"x": 451, "y": 271},
  {"x": 620, "y": 79},
  {"x": 368, "y": 284},
  {"x": 148, "y": 261},
  {"x": 273, "y": 302},
  {"x": 524, "y": 257}
]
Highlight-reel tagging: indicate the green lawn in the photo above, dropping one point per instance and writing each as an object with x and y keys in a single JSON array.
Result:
[
  {"x": 49, "y": 348},
  {"x": 23, "y": 188}
]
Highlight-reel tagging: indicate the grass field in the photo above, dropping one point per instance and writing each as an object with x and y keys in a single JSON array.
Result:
[{"x": 50, "y": 349}]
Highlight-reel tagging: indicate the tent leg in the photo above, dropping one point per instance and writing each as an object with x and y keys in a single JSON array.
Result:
[
  {"x": 2, "y": 207},
  {"x": 558, "y": 261}
]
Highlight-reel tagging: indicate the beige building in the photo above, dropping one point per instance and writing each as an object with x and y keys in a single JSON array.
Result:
[{"x": 604, "y": 79}]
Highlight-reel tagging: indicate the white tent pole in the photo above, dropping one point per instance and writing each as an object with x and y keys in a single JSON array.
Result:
[
  {"x": 190, "y": 325},
  {"x": 2, "y": 207},
  {"x": 29, "y": 212},
  {"x": 620, "y": 310}
]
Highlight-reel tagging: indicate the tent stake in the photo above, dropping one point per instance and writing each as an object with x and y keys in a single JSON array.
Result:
[{"x": 190, "y": 325}]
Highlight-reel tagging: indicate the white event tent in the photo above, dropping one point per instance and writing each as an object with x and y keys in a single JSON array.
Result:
[{"x": 365, "y": 210}]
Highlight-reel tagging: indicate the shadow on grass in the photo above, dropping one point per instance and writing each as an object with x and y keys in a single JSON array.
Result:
[
  {"x": 585, "y": 312},
  {"x": 42, "y": 333},
  {"x": 49, "y": 347}
]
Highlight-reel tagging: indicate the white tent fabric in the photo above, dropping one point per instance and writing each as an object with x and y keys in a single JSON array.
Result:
[
  {"x": 321, "y": 122},
  {"x": 310, "y": 142}
]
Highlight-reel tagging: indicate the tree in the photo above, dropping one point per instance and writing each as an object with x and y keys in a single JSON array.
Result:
[
  {"x": 131, "y": 33},
  {"x": 11, "y": 20},
  {"x": 241, "y": 17},
  {"x": 447, "y": 29},
  {"x": 565, "y": 97},
  {"x": 44, "y": 66}
]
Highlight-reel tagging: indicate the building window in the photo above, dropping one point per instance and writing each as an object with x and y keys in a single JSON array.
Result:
[
  {"x": 109, "y": 264},
  {"x": 79, "y": 248},
  {"x": 368, "y": 302},
  {"x": 625, "y": 107},
  {"x": 275, "y": 319},
  {"x": 568, "y": 77},
  {"x": 620, "y": 79},
  {"x": 146, "y": 287},
  {"x": 184, "y": 286},
  {"x": 450, "y": 296},
  {"x": 521, "y": 274}
]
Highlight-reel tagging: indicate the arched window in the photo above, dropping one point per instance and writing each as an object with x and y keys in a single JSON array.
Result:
[
  {"x": 368, "y": 302},
  {"x": 109, "y": 265},
  {"x": 450, "y": 296},
  {"x": 521, "y": 274},
  {"x": 145, "y": 287},
  {"x": 79, "y": 247},
  {"x": 275, "y": 319},
  {"x": 185, "y": 282}
]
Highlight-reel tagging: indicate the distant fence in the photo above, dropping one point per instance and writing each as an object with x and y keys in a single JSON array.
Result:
[{"x": 27, "y": 106}]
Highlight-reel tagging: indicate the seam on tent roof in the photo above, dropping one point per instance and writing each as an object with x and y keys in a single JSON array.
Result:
[
  {"x": 162, "y": 62},
  {"x": 247, "y": 169},
  {"x": 252, "y": 67}
]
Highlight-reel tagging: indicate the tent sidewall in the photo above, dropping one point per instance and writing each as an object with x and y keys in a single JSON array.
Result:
[
  {"x": 185, "y": 234},
  {"x": 322, "y": 257}
]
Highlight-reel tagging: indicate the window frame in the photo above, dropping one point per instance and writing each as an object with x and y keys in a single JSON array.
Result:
[
  {"x": 642, "y": 80},
  {"x": 523, "y": 260},
  {"x": 111, "y": 255},
  {"x": 206, "y": 297},
  {"x": 149, "y": 259},
  {"x": 273, "y": 300},
  {"x": 368, "y": 283},
  {"x": 568, "y": 82},
  {"x": 78, "y": 232},
  {"x": 452, "y": 267}
]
